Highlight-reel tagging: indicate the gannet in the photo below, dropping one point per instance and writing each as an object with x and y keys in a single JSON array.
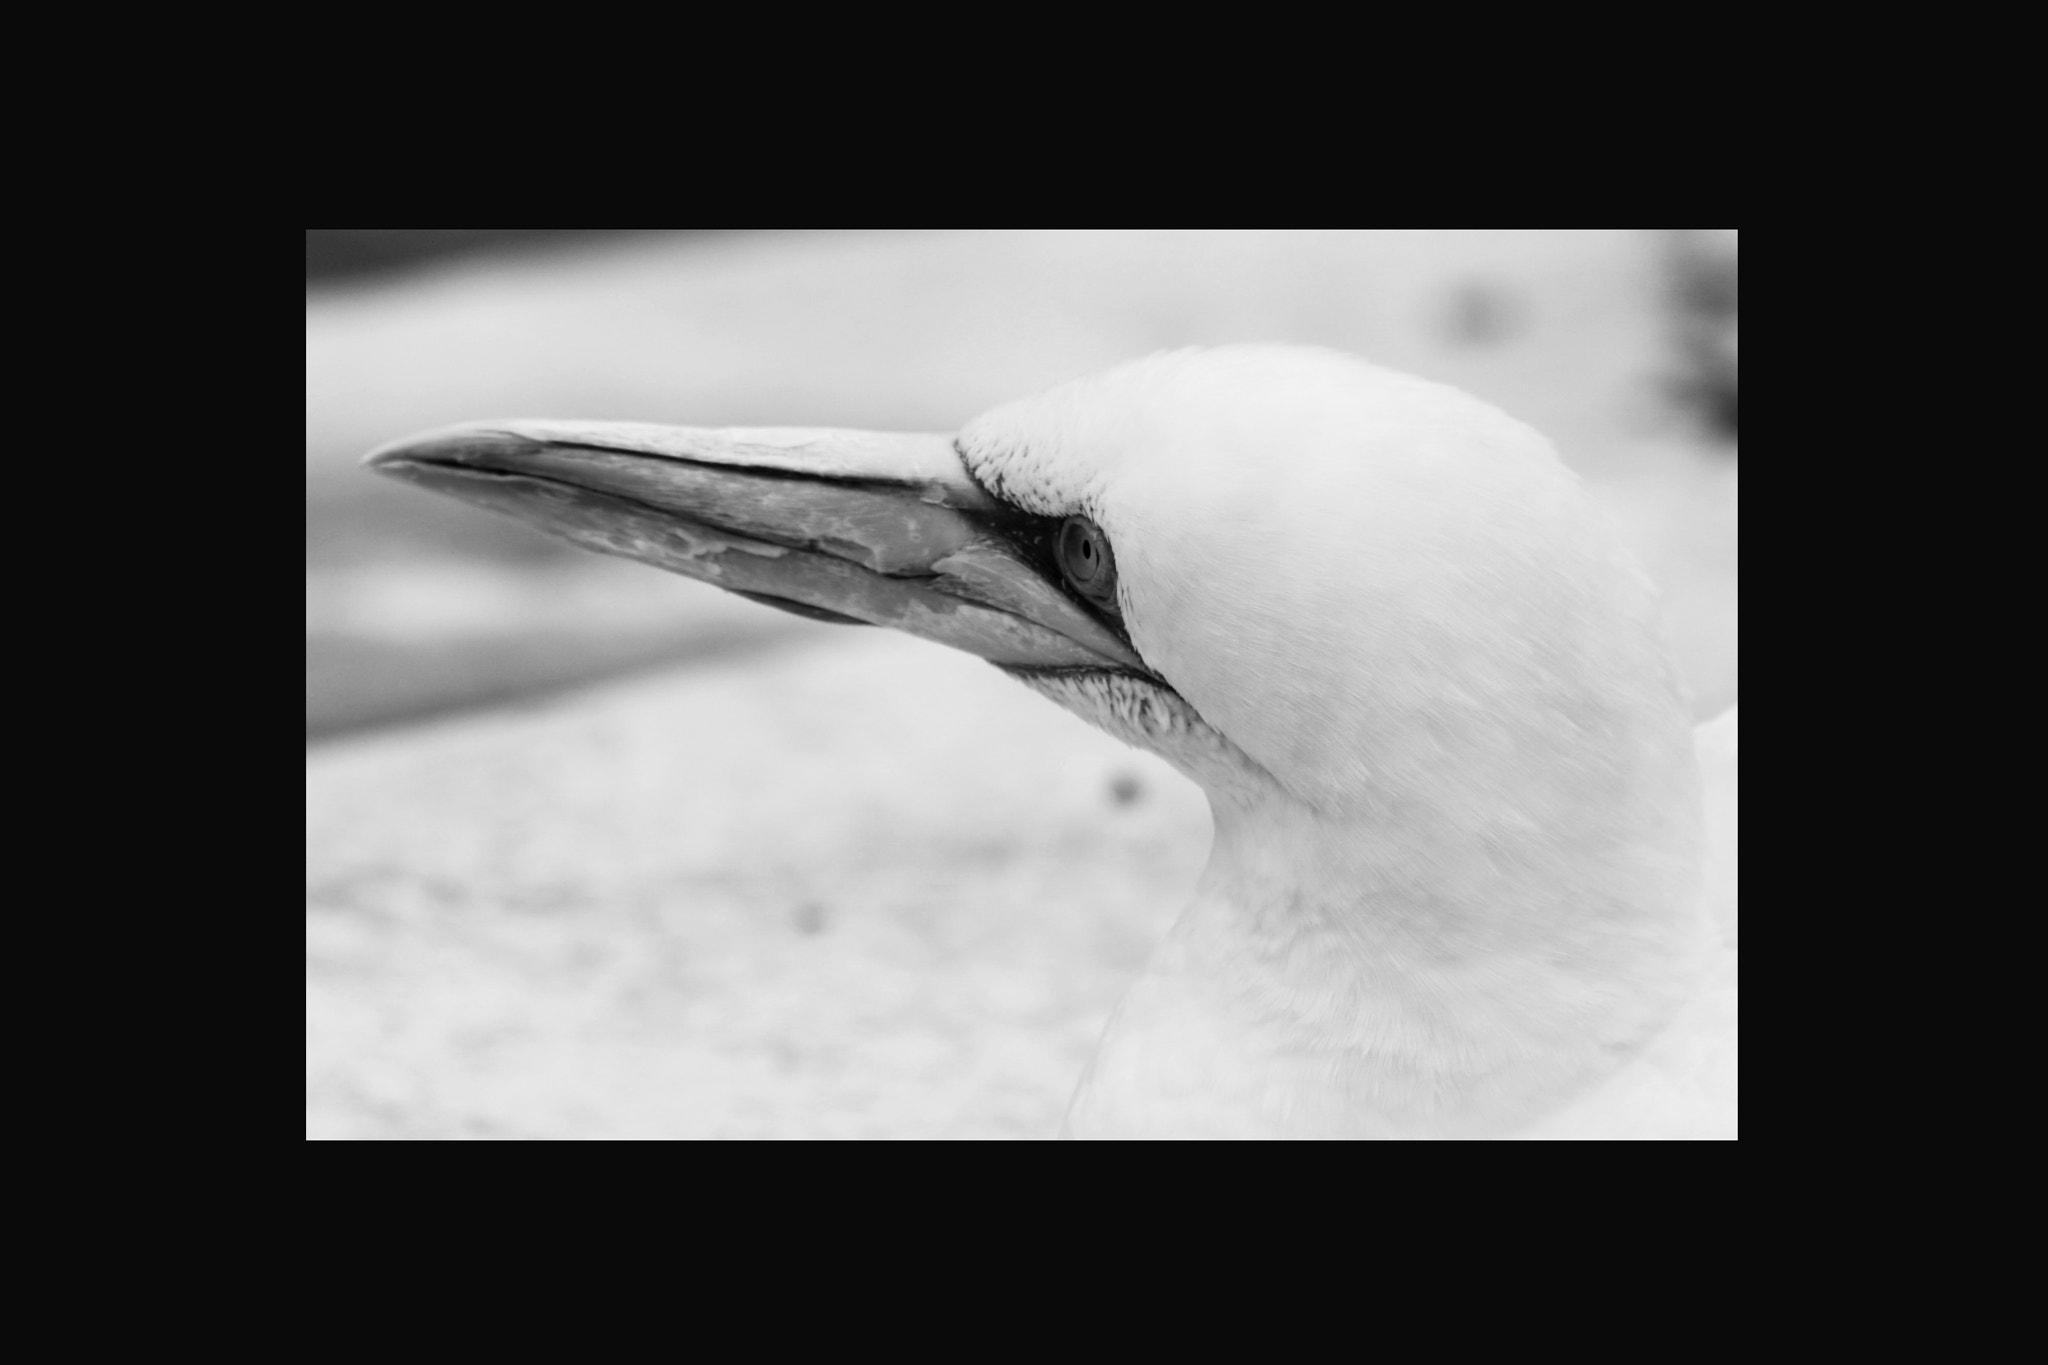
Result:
[{"x": 1463, "y": 882}]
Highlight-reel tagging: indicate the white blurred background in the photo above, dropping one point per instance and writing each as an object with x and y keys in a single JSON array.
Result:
[{"x": 580, "y": 854}]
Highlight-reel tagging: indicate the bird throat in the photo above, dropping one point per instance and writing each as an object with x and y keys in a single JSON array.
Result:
[
  {"x": 1151, "y": 716},
  {"x": 1421, "y": 964}
]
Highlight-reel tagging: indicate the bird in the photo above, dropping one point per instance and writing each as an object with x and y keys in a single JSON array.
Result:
[{"x": 1473, "y": 870}]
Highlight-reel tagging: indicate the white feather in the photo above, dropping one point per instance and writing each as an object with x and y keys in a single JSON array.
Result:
[{"x": 1460, "y": 885}]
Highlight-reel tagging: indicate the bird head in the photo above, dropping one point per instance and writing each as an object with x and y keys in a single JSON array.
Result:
[{"x": 1297, "y": 576}]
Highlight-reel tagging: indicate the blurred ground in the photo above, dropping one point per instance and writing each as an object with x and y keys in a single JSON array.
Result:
[
  {"x": 870, "y": 888},
  {"x": 813, "y": 880}
]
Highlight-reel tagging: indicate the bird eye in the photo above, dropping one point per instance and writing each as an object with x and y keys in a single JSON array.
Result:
[{"x": 1090, "y": 569}]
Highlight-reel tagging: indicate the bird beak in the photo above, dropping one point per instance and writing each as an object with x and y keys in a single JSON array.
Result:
[{"x": 876, "y": 528}]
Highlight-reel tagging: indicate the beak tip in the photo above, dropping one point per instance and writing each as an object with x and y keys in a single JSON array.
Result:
[{"x": 469, "y": 443}]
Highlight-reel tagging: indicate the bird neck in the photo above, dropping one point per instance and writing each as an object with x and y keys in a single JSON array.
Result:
[{"x": 1446, "y": 957}]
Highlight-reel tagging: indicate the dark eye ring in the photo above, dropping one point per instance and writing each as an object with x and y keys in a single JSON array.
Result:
[{"x": 1085, "y": 559}]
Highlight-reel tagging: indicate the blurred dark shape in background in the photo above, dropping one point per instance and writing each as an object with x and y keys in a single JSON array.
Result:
[
  {"x": 336, "y": 255},
  {"x": 1702, "y": 302},
  {"x": 1481, "y": 313},
  {"x": 1620, "y": 345}
]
